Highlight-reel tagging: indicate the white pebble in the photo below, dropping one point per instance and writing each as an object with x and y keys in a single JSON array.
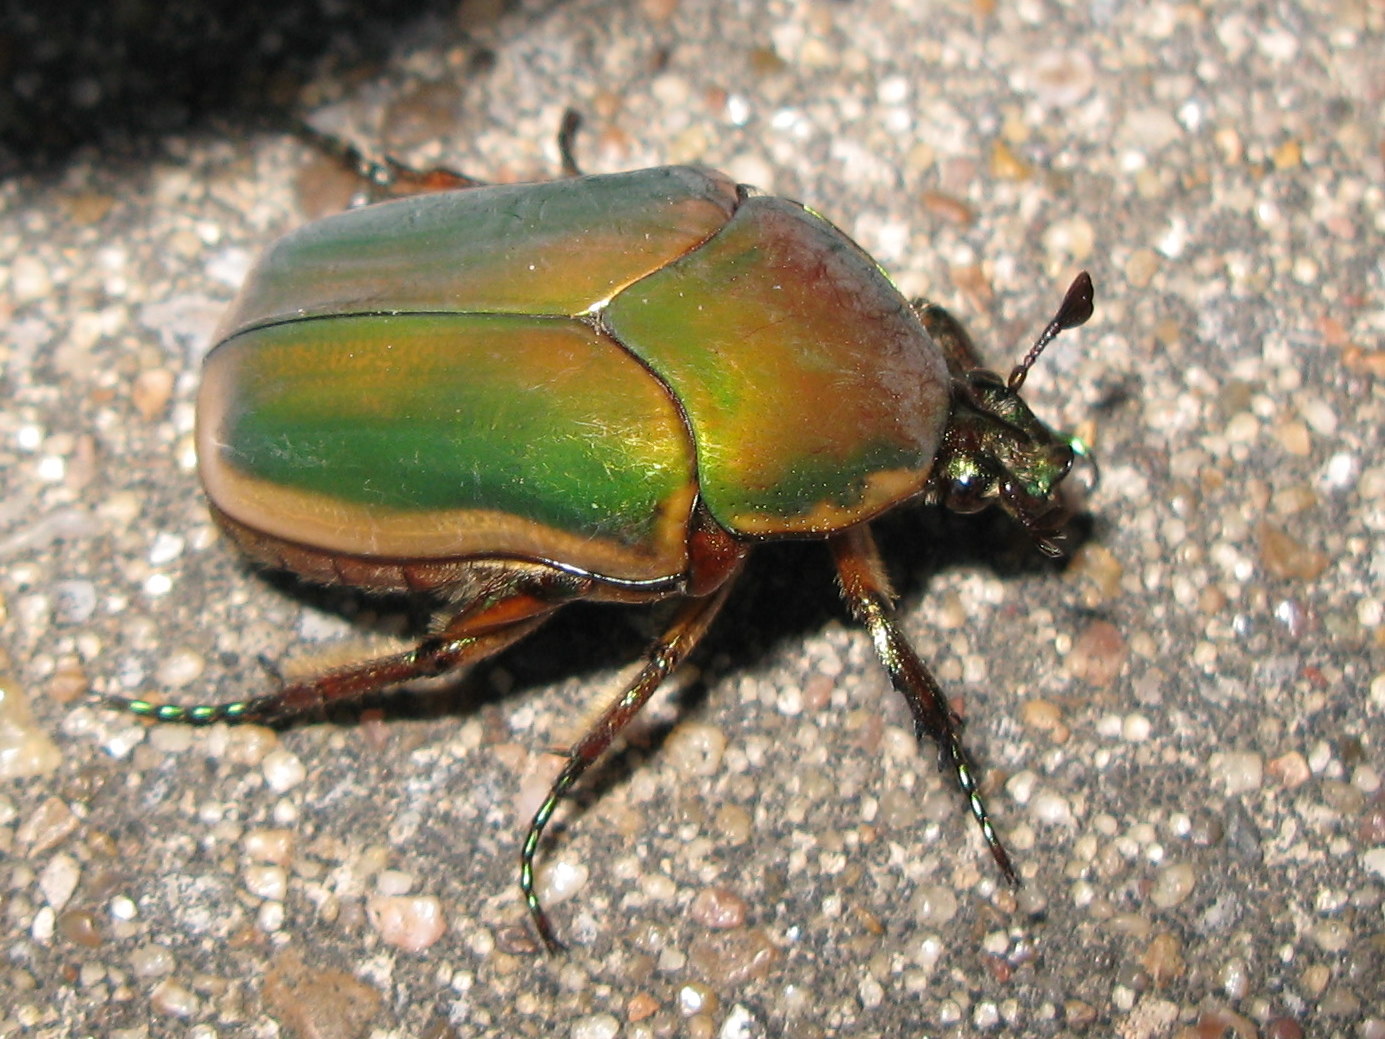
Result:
[
  {"x": 1172, "y": 885},
  {"x": 270, "y": 918},
  {"x": 1374, "y": 862},
  {"x": 282, "y": 770},
  {"x": 695, "y": 748},
  {"x": 269, "y": 845},
  {"x": 166, "y": 548},
  {"x": 268, "y": 882},
  {"x": 25, "y": 748},
  {"x": 739, "y": 1024},
  {"x": 934, "y": 905},
  {"x": 45, "y": 922},
  {"x": 692, "y": 999},
  {"x": 59, "y": 879},
  {"x": 1021, "y": 786},
  {"x": 1135, "y": 728},
  {"x": 394, "y": 882},
  {"x": 408, "y": 923},
  {"x": 560, "y": 879},
  {"x": 595, "y": 1026},
  {"x": 1110, "y": 725},
  {"x": 156, "y": 585},
  {"x": 870, "y": 992},
  {"x": 1339, "y": 471},
  {"x": 173, "y": 999},
  {"x": 1320, "y": 757},
  {"x": 658, "y": 886},
  {"x": 152, "y": 961},
  {"x": 1366, "y": 779},
  {"x": 180, "y": 668},
  {"x": 172, "y": 739},
  {"x": 986, "y": 1015},
  {"x": 928, "y": 952},
  {"x": 1051, "y": 809},
  {"x": 29, "y": 279},
  {"x": 1238, "y": 771}
]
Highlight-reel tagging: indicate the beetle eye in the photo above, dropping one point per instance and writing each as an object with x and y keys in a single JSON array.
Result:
[{"x": 967, "y": 494}]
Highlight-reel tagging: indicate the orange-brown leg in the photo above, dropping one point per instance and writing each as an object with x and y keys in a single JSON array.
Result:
[
  {"x": 668, "y": 651},
  {"x": 389, "y": 178},
  {"x": 866, "y": 591},
  {"x": 497, "y": 616}
]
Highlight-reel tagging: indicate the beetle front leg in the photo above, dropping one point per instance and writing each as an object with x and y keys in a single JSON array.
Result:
[
  {"x": 668, "y": 651},
  {"x": 867, "y": 593}
]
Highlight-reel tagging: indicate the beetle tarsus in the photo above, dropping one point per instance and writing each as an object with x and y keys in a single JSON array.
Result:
[
  {"x": 190, "y": 714},
  {"x": 542, "y": 924},
  {"x": 966, "y": 780}
]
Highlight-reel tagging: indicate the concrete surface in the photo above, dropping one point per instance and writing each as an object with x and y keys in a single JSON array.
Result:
[{"x": 1181, "y": 729}]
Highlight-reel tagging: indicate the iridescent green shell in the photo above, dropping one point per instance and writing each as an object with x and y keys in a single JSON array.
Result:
[{"x": 557, "y": 372}]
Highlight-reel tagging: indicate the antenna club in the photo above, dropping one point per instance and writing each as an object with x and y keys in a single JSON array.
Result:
[{"x": 1075, "y": 310}]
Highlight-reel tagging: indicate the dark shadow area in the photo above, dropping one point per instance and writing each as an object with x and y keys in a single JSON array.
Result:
[
  {"x": 118, "y": 75},
  {"x": 787, "y": 591}
]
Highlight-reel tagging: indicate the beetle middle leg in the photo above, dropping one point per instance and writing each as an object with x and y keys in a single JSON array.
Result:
[
  {"x": 498, "y": 613},
  {"x": 689, "y": 624},
  {"x": 867, "y": 593}
]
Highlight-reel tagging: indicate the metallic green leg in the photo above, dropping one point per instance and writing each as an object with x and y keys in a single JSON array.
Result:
[
  {"x": 672, "y": 647},
  {"x": 867, "y": 593}
]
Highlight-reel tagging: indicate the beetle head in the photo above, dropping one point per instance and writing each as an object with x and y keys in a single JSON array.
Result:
[{"x": 994, "y": 449}]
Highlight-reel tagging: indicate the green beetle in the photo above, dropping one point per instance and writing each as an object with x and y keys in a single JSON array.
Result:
[{"x": 605, "y": 388}]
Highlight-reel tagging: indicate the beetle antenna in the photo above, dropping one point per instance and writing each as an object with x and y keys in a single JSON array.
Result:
[{"x": 1075, "y": 309}]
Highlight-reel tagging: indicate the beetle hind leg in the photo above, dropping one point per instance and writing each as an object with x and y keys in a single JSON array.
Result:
[
  {"x": 498, "y": 613},
  {"x": 387, "y": 178},
  {"x": 867, "y": 592},
  {"x": 668, "y": 651}
]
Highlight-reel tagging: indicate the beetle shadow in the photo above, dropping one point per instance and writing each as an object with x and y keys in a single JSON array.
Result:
[
  {"x": 121, "y": 77},
  {"x": 790, "y": 589},
  {"x": 787, "y": 592}
]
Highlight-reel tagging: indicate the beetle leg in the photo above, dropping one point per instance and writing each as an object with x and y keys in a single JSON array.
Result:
[
  {"x": 385, "y": 178},
  {"x": 567, "y": 134},
  {"x": 671, "y": 648},
  {"x": 952, "y": 339},
  {"x": 489, "y": 622},
  {"x": 388, "y": 178},
  {"x": 867, "y": 593}
]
